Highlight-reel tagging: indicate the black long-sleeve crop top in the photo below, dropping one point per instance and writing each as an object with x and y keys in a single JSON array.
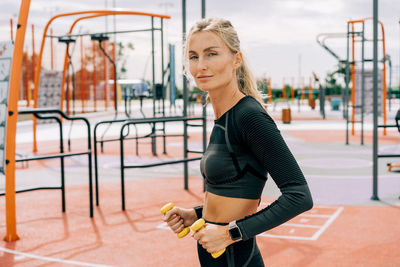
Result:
[{"x": 244, "y": 146}]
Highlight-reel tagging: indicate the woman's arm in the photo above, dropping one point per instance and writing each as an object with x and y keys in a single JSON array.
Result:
[{"x": 259, "y": 133}]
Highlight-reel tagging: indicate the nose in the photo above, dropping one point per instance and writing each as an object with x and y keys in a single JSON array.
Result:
[{"x": 202, "y": 64}]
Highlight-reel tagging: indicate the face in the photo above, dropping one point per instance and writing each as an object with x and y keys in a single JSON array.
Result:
[{"x": 211, "y": 62}]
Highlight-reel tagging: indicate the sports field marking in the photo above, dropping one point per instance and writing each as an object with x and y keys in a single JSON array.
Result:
[
  {"x": 23, "y": 255},
  {"x": 304, "y": 224},
  {"x": 319, "y": 229}
]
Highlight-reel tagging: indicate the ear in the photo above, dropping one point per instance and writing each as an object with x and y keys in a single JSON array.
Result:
[{"x": 237, "y": 60}]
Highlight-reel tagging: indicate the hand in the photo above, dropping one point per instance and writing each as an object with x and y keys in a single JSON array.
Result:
[
  {"x": 179, "y": 218},
  {"x": 213, "y": 237}
]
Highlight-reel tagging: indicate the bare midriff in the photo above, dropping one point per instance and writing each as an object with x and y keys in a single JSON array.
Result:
[{"x": 222, "y": 209}]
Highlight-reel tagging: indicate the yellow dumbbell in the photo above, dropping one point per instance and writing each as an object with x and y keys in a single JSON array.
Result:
[
  {"x": 197, "y": 226},
  {"x": 168, "y": 207}
]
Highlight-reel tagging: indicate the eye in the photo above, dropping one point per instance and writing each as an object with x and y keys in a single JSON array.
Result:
[
  {"x": 211, "y": 54},
  {"x": 193, "y": 57}
]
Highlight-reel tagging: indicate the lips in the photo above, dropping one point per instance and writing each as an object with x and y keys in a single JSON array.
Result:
[{"x": 204, "y": 76}]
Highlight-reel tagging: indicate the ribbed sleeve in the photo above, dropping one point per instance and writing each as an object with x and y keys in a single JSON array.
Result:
[{"x": 259, "y": 134}]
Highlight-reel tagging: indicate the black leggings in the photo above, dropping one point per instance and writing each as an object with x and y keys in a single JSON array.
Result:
[{"x": 238, "y": 254}]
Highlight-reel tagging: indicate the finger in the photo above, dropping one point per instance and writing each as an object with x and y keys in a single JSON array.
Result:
[
  {"x": 196, "y": 236},
  {"x": 175, "y": 227},
  {"x": 173, "y": 220},
  {"x": 179, "y": 229},
  {"x": 169, "y": 214}
]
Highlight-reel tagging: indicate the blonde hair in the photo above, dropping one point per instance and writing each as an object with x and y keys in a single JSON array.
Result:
[{"x": 224, "y": 29}]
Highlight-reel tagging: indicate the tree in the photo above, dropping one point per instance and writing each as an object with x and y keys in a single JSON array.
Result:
[
  {"x": 332, "y": 87},
  {"x": 122, "y": 58}
]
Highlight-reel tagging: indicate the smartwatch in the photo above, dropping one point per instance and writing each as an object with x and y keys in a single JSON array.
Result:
[{"x": 234, "y": 231}]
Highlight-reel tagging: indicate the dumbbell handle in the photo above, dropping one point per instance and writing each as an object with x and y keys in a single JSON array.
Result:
[
  {"x": 168, "y": 207},
  {"x": 197, "y": 226}
]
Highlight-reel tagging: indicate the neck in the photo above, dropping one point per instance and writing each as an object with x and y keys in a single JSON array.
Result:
[{"x": 223, "y": 100}]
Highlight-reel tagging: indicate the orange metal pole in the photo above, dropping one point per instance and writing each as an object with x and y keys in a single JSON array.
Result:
[
  {"x": 26, "y": 78},
  {"x": 34, "y": 71},
  {"x": 115, "y": 95},
  {"x": 303, "y": 89},
  {"x": 269, "y": 90},
  {"x": 94, "y": 76},
  {"x": 353, "y": 81},
  {"x": 284, "y": 90},
  {"x": 105, "y": 72},
  {"x": 292, "y": 88},
  {"x": 310, "y": 89},
  {"x": 13, "y": 95},
  {"x": 12, "y": 30},
  {"x": 51, "y": 50},
  {"x": 81, "y": 84},
  {"x": 384, "y": 87}
]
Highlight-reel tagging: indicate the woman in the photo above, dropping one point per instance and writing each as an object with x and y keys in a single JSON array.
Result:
[{"x": 244, "y": 146}]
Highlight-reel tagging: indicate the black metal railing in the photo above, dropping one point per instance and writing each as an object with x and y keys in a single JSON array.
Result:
[{"x": 38, "y": 114}]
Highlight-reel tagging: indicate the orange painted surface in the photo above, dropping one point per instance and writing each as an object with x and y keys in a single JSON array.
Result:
[{"x": 359, "y": 236}]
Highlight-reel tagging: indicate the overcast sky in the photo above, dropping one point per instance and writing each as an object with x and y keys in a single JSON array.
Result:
[{"x": 278, "y": 37}]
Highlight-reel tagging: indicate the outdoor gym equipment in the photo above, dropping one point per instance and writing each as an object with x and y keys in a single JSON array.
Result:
[
  {"x": 397, "y": 125},
  {"x": 47, "y": 114},
  {"x": 90, "y": 14},
  {"x": 168, "y": 207},
  {"x": 197, "y": 226},
  {"x": 186, "y": 150},
  {"x": 356, "y": 100},
  {"x": 321, "y": 96}
]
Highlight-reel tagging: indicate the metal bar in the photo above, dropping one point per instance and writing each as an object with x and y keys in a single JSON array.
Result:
[
  {"x": 162, "y": 83},
  {"x": 12, "y": 118},
  {"x": 185, "y": 96},
  {"x": 347, "y": 80},
  {"x": 387, "y": 126},
  {"x": 37, "y": 113},
  {"x": 362, "y": 85},
  {"x": 195, "y": 125},
  {"x": 388, "y": 155},
  {"x": 34, "y": 189},
  {"x": 160, "y": 163},
  {"x": 90, "y": 168},
  {"x": 194, "y": 151},
  {"x": 34, "y": 70},
  {"x": 61, "y": 155},
  {"x": 12, "y": 30},
  {"x": 107, "y": 32},
  {"x": 375, "y": 104},
  {"x": 153, "y": 140},
  {"x": 121, "y": 149},
  {"x": 203, "y": 9},
  {"x": 353, "y": 83}
]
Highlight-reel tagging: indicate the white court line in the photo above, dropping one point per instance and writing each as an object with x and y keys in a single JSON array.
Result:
[
  {"x": 302, "y": 225},
  {"x": 33, "y": 256},
  {"x": 315, "y": 215},
  {"x": 326, "y": 225},
  {"x": 316, "y": 235}
]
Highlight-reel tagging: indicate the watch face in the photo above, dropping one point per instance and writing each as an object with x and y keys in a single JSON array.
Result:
[{"x": 235, "y": 233}]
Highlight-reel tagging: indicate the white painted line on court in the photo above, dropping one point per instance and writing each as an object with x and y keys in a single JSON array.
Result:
[
  {"x": 286, "y": 237},
  {"x": 302, "y": 225},
  {"x": 321, "y": 228},
  {"x": 326, "y": 225},
  {"x": 22, "y": 255},
  {"x": 316, "y": 215}
]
